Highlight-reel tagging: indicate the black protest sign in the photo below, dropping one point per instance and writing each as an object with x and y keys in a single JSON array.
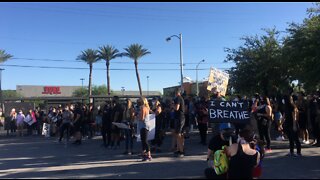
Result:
[{"x": 229, "y": 112}]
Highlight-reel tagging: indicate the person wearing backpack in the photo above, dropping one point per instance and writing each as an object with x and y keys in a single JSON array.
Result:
[
  {"x": 216, "y": 144},
  {"x": 242, "y": 158}
]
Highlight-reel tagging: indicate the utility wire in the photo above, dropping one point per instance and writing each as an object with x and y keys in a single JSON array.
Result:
[
  {"x": 113, "y": 69},
  {"x": 102, "y": 61}
]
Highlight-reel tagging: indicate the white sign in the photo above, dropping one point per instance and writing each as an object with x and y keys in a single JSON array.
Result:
[
  {"x": 218, "y": 79},
  {"x": 28, "y": 120},
  {"x": 46, "y": 130},
  {"x": 121, "y": 125},
  {"x": 151, "y": 123}
]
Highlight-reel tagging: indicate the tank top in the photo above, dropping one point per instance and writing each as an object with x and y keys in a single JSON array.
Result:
[
  {"x": 143, "y": 124},
  {"x": 241, "y": 165}
]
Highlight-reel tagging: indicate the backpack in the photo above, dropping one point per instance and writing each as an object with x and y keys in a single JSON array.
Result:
[{"x": 220, "y": 161}]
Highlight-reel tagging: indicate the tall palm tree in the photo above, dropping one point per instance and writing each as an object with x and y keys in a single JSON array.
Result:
[
  {"x": 135, "y": 52},
  {"x": 4, "y": 56},
  {"x": 89, "y": 56},
  {"x": 108, "y": 53}
]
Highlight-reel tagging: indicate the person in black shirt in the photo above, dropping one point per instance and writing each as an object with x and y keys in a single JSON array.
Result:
[
  {"x": 179, "y": 122},
  {"x": 215, "y": 144},
  {"x": 117, "y": 117},
  {"x": 106, "y": 124},
  {"x": 291, "y": 126},
  {"x": 77, "y": 123}
]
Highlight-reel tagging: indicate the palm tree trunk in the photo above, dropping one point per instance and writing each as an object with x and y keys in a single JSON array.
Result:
[
  {"x": 108, "y": 77},
  {"x": 138, "y": 77},
  {"x": 90, "y": 76}
]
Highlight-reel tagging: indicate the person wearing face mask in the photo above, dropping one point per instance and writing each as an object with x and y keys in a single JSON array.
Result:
[
  {"x": 215, "y": 144},
  {"x": 20, "y": 122}
]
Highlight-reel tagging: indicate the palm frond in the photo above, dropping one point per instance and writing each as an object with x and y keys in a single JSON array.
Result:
[
  {"x": 108, "y": 53},
  {"x": 89, "y": 56},
  {"x": 135, "y": 51},
  {"x": 4, "y": 56}
]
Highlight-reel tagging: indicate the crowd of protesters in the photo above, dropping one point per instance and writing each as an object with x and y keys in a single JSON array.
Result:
[{"x": 293, "y": 117}]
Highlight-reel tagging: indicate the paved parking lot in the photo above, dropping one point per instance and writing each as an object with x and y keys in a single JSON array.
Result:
[{"x": 40, "y": 157}]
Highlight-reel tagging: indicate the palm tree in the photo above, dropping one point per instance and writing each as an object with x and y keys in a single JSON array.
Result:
[
  {"x": 135, "y": 52},
  {"x": 89, "y": 56},
  {"x": 4, "y": 56},
  {"x": 108, "y": 53}
]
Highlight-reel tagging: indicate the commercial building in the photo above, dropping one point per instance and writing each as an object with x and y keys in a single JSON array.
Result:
[
  {"x": 28, "y": 91},
  {"x": 190, "y": 89}
]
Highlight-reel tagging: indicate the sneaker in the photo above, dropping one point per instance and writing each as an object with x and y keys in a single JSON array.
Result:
[
  {"x": 279, "y": 138},
  {"x": 129, "y": 153},
  {"x": 181, "y": 155},
  {"x": 268, "y": 150},
  {"x": 146, "y": 158},
  {"x": 176, "y": 154},
  {"x": 299, "y": 155},
  {"x": 125, "y": 153},
  {"x": 306, "y": 142},
  {"x": 290, "y": 155}
]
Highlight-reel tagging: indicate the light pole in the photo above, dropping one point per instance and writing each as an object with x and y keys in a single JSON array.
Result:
[
  {"x": 197, "y": 93},
  {"x": 122, "y": 89},
  {"x": 82, "y": 81},
  {"x": 148, "y": 85},
  {"x": 1, "y": 101},
  {"x": 181, "y": 59}
]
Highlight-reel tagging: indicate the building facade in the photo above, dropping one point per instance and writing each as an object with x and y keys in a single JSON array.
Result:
[
  {"x": 28, "y": 91},
  {"x": 190, "y": 89}
]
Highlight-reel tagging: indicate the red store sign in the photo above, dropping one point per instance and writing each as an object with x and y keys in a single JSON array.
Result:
[{"x": 51, "y": 90}]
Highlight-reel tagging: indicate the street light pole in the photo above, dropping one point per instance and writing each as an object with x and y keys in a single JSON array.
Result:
[
  {"x": 82, "y": 81},
  {"x": 197, "y": 93},
  {"x": 181, "y": 63},
  {"x": 148, "y": 85},
  {"x": 122, "y": 89},
  {"x": 181, "y": 58}
]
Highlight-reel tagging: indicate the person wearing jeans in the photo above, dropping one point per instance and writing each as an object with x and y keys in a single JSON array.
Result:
[
  {"x": 142, "y": 116},
  {"x": 128, "y": 120}
]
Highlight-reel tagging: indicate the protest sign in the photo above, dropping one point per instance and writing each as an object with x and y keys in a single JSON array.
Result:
[
  {"x": 28, "y": 119},
  {"x": 218, "y": 79},
  {"x": 46, "y": 130},
  {"x": 151, "y": 123},
  {"x": 229, "y": 112}
]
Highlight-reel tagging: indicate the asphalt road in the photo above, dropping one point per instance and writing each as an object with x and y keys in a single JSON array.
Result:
[{"x": 40, "y": 157}]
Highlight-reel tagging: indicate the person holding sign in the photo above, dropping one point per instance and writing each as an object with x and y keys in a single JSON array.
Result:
[
  {"x": 216, "y": 96},
  {"x": 142, "y": 117}
]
